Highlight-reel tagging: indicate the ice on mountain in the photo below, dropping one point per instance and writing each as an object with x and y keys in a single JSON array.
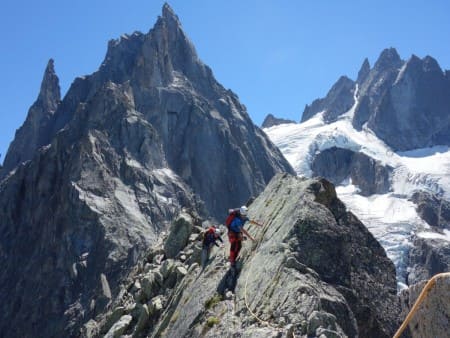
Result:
[{"x": 391, "y": 217}]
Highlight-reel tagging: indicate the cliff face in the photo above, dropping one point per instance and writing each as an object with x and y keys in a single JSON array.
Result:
[
  {"x": 271, "y": 121},
  {"x": 314, "y": 269},
  {"x": 34, "y": 132},
  {"x": 109, "y": 167},
  {"x": 405, "y": 103}
]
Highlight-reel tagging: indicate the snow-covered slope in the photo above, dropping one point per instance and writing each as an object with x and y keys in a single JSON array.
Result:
[{"x": 390, "y": 217}]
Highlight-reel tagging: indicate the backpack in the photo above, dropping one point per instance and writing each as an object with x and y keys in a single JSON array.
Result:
[
  {"x": 231, "y": 216},
  {"x": 210, "y": 230}
]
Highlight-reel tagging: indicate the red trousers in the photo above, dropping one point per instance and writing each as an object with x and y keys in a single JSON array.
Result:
[{"x": 235, "y": 245}]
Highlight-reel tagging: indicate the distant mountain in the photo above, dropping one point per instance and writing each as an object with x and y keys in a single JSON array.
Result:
[
  {"x": 406, "y": 103},
  {"x": 93, "y": 180},
  {"x": 356, "y": 137},
  {"x": 271, "y": 121},
  {"x": 339, "y": 99}
]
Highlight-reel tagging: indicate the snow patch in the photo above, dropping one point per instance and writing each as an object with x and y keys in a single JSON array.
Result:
[
  {"x": 391, "y": 217},
  {"x": 445, "y": 236}
]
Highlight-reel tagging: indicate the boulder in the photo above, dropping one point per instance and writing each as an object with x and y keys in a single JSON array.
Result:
[
  {"x": 119, "y": 327},
  {"x": 179, "y": 234}
]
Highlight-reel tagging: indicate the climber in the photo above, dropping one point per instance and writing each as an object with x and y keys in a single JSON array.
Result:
[
  {"x": 235, "y": 224},
  {"x": 210, "y": 238}
]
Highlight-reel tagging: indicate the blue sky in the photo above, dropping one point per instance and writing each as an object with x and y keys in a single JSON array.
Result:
[{"x": 276, "y": 55}]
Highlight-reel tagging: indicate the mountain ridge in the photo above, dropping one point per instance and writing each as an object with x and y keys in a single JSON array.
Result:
[
  {"x": 126, "y": 150},
  {"x": 404, "y": 102}
]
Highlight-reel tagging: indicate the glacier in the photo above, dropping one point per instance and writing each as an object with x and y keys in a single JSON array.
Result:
[{"x": 390, "y": 217}]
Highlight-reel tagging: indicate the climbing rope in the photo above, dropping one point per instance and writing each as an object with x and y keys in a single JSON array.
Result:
[
  {"x": 262, "y": 321},
  {"x": 425, "y": 291}
]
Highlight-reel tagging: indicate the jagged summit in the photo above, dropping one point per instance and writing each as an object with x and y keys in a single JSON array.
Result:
[
  {"x": 163, "y": 56},
  {"x": 50, "y": 93},
  {"x": 34, "y": 132},
  {"x": 363, "y": 71},
  {"x": 431, "y": 64},
  {"x": 148, "y": 135},
  {"x": 338, "y": 100},
  {"x": 271, "y": 121},
  {"x": 389, "y": 58},
  {"x": 406, "y": 103},
  {"x": 169, "y": 14}
]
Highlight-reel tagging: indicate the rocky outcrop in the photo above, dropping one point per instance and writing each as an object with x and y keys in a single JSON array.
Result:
[
  {"x": 415, "y": 111},
  {"x": 337, "y": 102},
  {"x": 79, "y": 215},
  {"x": 363, "y": 72},
  {"x": 432, "y": 316},
  {"x": 151, "y": 132},
  {"x": 34, "y": 132},
  {"x": 430, "y": 256},
  {"x": 406, "y": 103},
  {"x": 427, "y": 258},
  {"x": 271, "y": 121},
  {"x": 432, "y": 209},
  {"x": 314, "y": 270},
  {"x": 338, "y": 164}
]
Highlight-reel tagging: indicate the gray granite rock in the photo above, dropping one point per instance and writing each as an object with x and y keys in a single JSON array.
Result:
[
  {"x": 338, "y": 164},
  {"x": 129, "y": 146},
  {"x": 33, "y": 133},
  {"x": 271, "y": 121},
  {"x": 337, "y": 102},
  {"x": 414, "y": 111},
  {"x": 179, "y": 233},
  {"x": 405, "y": 103},
  {"x": 315, "y": 268},
  {"x": 119, "y": 328},
  {"x": 427, "y": 258},
  {"x": 363, "y": 72},
  {"x": 432, "y": 209}
]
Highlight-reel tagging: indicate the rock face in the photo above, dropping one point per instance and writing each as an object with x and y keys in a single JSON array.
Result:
[
  {"x": 34, "y": 132},
  {"x": 406, "y": 103},
  {"x": 432, "y": 317},
  {"x": 430, "y": 256},
  {"x": 427, "y": 258},
  {"x": 338, "y": 164},
  {"x": 314, "y": 270},
  {"x": 432, "y": 209},
  {"x": 271, "y": 121},
  {"x": 111, "y": 166},
  {"x": 338, "y": 101}
]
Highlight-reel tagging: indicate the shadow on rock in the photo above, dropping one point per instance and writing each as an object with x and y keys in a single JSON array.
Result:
[{"x": 229, "y": 281}]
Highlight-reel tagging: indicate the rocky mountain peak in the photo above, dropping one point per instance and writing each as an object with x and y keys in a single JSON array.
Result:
[
  {"x": 33, "y": 133},
  {"x": 163, "y": 56},
  {"x": 417, "y": 67},
  {"x": 388, "y": 59},
  {"x": 338, "y": 101},
  {"x": 131, "y": 145},
  {"x": 271, "y": 121},
  {"x": 50, "y": 93},
  {"x": 169, "y": 14},
  {"x": 364, "y": 71},
  {"x": 431, "y": 65}
]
